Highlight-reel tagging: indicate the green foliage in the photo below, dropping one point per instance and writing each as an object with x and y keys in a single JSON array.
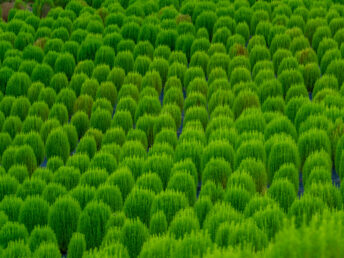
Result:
[
  {"x": 12, "y": 231},
  {"x": 283, "y": 192},
  {"x": 122, "y": 178},
  {"x": 33, "y": 212},
  {"x": 77, "y": 245},
  {"x": 81, "y": 122},
  {"x": 63, "y": 219},
  {"x": 18, "y": 84},
  {"x": 57, "y": 145},
  {"x": 41, "y": 235},
  {"x": 134, "y": 234},
  {"x": 69, "y": 177},
  {"x": 92, "y": 222}
]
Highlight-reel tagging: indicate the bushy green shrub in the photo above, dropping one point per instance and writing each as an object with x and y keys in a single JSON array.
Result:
[
  {"x": 69, "y": 177},
  {"x": 19, "y": 172},
  {"x": 42, "y": 73},
  {"x": 158, "y": 224},
  {"x": 63, "y": 218},
  {"x": 317, "y": 159},
  {"x": 134, "y": 234},
  {"x": 47, "y": 95},
  {"x": 220, "y": 60},
  {"x": 138, "y": 204},
  {"x": 65, "y": 63},
  {"x": 77, "y": 245},
  {"x": 101, "y": 72},
  {"x": 280, "y": 125},
  {"x": 88, "y": 48},
  {"x": 81, "y": 122},
  {"x": 328, "y": 193},
  {"x": 60, "y": 112},
  {"x": 33, "y": 212},
  {"x": 283, "y": 192},
  {"x": 18, "y": 84},
  {"x": 94, "y": 177},
  {"x": 44, "y": 174},
  {"x": 40, "y": 235},
  {"x": 11, "y": 232},
  {"x": 311, "y": 141},
  {"x": 170, "y": 202},
  {"x": 95, "y": 215},
  {"x": 150, "y": 181},
  {"x": 305, "y": 208},
  {"x": 57, "y": 144},
  {"x": 67, "y": 97},
  {"x": 282, "y": 152},
  {"x": 86, "y": 67}
]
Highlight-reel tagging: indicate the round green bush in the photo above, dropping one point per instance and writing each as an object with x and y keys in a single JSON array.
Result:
[
  {"x": 18, "y": 84},
  {"x": 87, "y": 145},
  {"x": 77, "y": 245},
  {"x": 218, "y": 60},
  {"x": 11, "y": 232},
  {"x": 88, "y": 48},
  {"x": 328, "y": 193},
  {"x": 158, "y": 224},
  {"x": 169, "y": 202},
  {"x": 128, "y": 90},
  {"x": 47, "y": 95},
  {"x": 137, "y": 135},
  {"x": 110, "y": 195},
  {"x": 95, "y": 215},
  {"x": 94, "y": 177},
  {"x": 150, "y": 181},
  {"x": 24, "y": 155},
  {"x": 40, "y": 235},
  {"x": 19, "y": 172},
  {"x": 85, "y": 67},
  {"x": 114, "y": 135},
  {"x": 57, "y": 144},
  {"x": 63, "y": 218},
  {"x": 42, "y": 73},
  {"x": 33, "y": 212},
  {"x": 134, "y": 234},
  {"x": 46, "y": 249},
  {"x": 127, "y": 104},
  {"x": 304, "y": 209},
  {"x": 101, "y": 72},
  {"x": 89, "y": 88},
  {"x": 80, "y": 161},
  {"x": 81, "y": 122},
  {"x": 283, "y": 192},
  {"x": 65, "y": 63},
  {"x": 59, "y": 112},
  {"x": 123, "y": 179},
  {"x": 44, "y": 174},
  {"x": 100, "y": 119},
  {"x": 20, "y": 108},
  {"x": 283, "y": 151},
  {"x": 311, "y": 141},
  {"x": 138, "y": 204},
  {"x": 270, "y": 88},
  {"x": 67, "y": 97},
  {"x": 85, "y": 101}
]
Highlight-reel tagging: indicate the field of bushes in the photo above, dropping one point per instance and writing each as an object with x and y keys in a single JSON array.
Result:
[{"x": 172, "y": 128}]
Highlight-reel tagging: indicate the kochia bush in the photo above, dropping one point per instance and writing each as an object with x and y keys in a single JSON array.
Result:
[
  {"x": 58, "y": 145},
  {"x": 63, "y": 218},
  {"x": 95, "y": 215},
  {"x": 33, "y": 212}
]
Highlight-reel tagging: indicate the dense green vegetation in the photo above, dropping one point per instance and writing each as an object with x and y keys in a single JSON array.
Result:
[{"x": 172, "y": 128}]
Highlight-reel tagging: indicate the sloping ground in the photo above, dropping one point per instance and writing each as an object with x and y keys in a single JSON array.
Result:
[{"x": 171, "y": 128}]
